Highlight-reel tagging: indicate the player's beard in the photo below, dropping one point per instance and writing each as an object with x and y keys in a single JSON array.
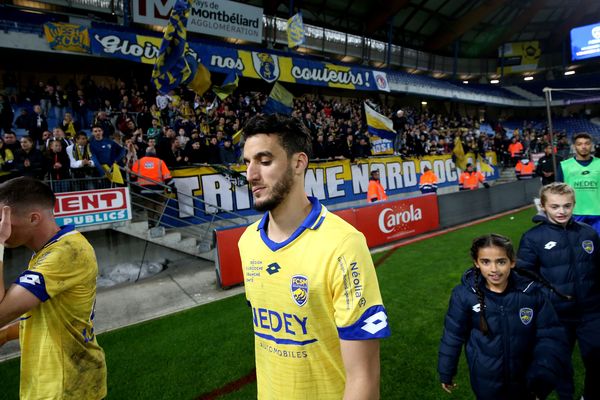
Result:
[{"x": 279, "y": 191}]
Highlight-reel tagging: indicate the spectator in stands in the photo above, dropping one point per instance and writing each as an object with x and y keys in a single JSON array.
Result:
[
  {"x": 319, "y": 150},
  {"x": 227, "y": 153},
  {"x": 333, "y": 150},
  {"x": 37, "y": 124},
  {"x": 375, "y": 191},
  {"x": 174, "y": 157},
  {"x": 182, "y": 137},
  {"x": 348, "y": 148},
  {"x": 195, "y": 153},
  {"x": 59, "y": 134},
  {"x": 213, "y": 154},
  {"x": 545, "y": 166},
  {"x": 29, "y": 160},
  {"x": 428, "y": 183},
  {"x": 58, "y": 101},
  {"x": 22, "y": 121},
  {"x": 6, "y": 114},
  {"x": 363, "y": 149},
  {"x": 69, "y": 126},
  {"x": 7, "y": 164},
  {"x": 43, "y": 144},
  {"x": 57, "y": 161},
  {"x": 155, "y": 131},
  {"x": 122, "y": 120},
  {"x": 103, "y": 121},
  {"x": 470, "y": 179},
  {"x": 80, "y": 158},
  {"x": 525, "y": 169},
  {"x": 165, "y": 143},
  {"x": 11, "y": 142},
  {"x": 105, "y": 151},
  {"x": 80, "y": 109}
]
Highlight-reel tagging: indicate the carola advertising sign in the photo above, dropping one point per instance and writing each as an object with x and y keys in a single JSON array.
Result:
[
  {"x": 92, "y": 207},
  {"x": 386, "y": 222},
  {"x": 381, "y": 223},
  {"x": 210, "y": 17}
]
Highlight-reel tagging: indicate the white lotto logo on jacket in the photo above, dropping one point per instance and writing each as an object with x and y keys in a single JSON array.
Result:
[{"x": 389, "y": 218}]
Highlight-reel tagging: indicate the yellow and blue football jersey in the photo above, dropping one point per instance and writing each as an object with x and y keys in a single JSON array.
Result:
[
  {"x": 307, "y": 293},
  {"x": 60, "y": 357}
]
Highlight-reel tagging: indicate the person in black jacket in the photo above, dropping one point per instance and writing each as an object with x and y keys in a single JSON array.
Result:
[
  {"x": 566, "y": 253},
  {"x": 545, "y": 166},
  {"x": 515, "y": 345}
]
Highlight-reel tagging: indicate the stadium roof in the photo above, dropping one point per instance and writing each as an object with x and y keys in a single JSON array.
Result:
[{"x": 466, "y": 28}]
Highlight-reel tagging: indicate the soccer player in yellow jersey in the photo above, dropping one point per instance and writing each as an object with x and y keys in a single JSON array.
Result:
[
  {"x": 54, "y": 298},
  {"x": 309, "y": 278}
]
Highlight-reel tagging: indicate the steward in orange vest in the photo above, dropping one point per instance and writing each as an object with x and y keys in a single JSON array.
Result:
[
  {"x": 375, "y": 192},
  {"x": 428, "y": 181},
  {"x": 153, "y": 168},
  {"x": 469, "y": 180},
  {"x": 525, "y": 169}
]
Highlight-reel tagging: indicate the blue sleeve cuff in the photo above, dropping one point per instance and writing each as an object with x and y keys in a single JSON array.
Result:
[
  {"x": 35, "y": 283},
  {"x": 372, "y": 324}
]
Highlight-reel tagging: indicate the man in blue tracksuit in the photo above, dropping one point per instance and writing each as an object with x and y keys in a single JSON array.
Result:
[
  {"x": 567, "y": 254},
  {"x": 524, "y": 350},
  {"x": 105, "y": 152}
]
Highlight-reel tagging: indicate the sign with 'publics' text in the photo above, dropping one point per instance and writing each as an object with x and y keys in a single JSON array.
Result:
[{"x": 91, "y": 207}]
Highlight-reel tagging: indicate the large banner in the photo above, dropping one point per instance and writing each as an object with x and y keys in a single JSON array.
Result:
[
  {"x": 67, "y": 37},
  {"x": 221, "y": 18},
  {"x": 381, "y": 223},
  {"x": 518, "y": 57},
  {"x": 331, "y": 182},
  {"x": 92, "y": 207},
  {"x": 258, "y": 64}
]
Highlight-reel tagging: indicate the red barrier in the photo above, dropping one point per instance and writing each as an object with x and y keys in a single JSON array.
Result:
[
  {"x": 229, "y": 262},
  {"x": 389, "y": 221},
  {"x": 381, "y": 223}
]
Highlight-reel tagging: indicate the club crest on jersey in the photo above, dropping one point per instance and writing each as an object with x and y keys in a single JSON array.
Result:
[
  {"x": 299, "y": 289},
  {"x": 588, "y": 246},
  {"x": 526, "y": 315}
]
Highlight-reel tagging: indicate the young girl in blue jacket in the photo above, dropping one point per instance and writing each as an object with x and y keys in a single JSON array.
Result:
[{"x": 515, "y": 346}]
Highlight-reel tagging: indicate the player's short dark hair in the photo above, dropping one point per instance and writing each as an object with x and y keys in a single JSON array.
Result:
[
  {"x": 26, "y": 192},
  {"x": 293, "y": 135},
  {"x": 97, "y": 126},
  {"x": 582, "y": 135}
]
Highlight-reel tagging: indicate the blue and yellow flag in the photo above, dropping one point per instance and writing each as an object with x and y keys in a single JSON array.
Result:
[
  {"x": 381, "y": 130},
  {"x": 459, "y": 153},
  {"x": 280, "y": 101},
  {"x": 228, "y": 87},
  {"x": 177, "y": 64},
  {"x": 68, "y": 37},
  {"x": 295, "y": 31}
]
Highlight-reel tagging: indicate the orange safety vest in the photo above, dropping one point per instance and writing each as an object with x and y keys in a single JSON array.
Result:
[
  {"x": 470, "y": 180},
  {"x": 152, "y": 168},
  {"x": 525, "y": 170},
  {"x": 428, "y": 182},
  {"x": 515, "y": 148},
  {"x": 375, "y": 192}
]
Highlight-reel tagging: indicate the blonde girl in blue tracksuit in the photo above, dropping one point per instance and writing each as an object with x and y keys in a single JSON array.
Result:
[{"x": 515, "y": 345}]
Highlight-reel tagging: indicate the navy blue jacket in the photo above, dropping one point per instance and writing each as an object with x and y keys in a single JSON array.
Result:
[
  {"x": 526, "y": 347},
  {"x": 569, "y": 258}
]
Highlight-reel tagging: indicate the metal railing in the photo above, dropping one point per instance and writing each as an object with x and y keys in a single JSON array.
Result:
[{"x": 157, "y": 202}]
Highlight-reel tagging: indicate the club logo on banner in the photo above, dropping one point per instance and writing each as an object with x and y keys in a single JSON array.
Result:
[
  {"x": 381, "y": 81},
  {"x": 266, "y": 66}
]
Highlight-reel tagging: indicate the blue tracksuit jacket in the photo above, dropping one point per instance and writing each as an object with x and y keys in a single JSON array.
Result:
[
  {"x": 569, "y": 258},
  {"x": 526, "y": 347}
]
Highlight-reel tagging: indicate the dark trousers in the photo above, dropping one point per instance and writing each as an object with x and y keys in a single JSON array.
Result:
[{"x": 587, "y": 333}]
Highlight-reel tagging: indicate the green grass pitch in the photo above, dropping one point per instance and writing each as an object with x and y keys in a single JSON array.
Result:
[{"x": 194, "y": 352}]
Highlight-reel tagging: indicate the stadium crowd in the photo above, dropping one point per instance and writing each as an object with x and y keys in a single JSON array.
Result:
[{"x": 185, "y": 129}]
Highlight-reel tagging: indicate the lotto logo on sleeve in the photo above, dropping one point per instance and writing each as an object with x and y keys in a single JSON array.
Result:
[
  {"x": 375, "y": 323},
  {"x": 34, "y": 282}
]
